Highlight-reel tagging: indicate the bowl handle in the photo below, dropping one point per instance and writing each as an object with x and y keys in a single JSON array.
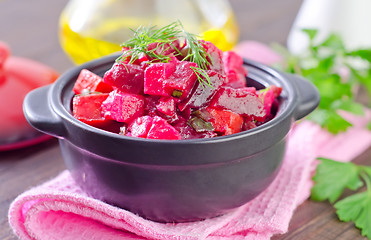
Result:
[
  {"x": 308, "y": 95},
  {"x": 39, "y": 113}
]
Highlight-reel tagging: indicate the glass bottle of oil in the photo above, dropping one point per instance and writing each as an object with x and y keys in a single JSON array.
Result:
[{"x": 95, "y": 28}]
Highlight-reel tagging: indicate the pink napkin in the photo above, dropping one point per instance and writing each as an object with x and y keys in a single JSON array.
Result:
[{"x": 58, "y": 209}]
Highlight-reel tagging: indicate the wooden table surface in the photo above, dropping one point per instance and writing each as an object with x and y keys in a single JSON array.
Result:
[{"x": 31, "y": 30}]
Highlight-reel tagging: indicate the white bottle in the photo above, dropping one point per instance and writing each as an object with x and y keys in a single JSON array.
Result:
[{"x": 351, "y": 19}]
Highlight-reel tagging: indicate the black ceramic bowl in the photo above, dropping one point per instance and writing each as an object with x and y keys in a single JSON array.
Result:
[{"x": 167, "y": 180}]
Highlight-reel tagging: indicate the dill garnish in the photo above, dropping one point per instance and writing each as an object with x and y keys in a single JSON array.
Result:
[
  {"x": 202, "y": 76},
  {"x": 163, "y": 39},
  {"x": 144, "y": 36}
]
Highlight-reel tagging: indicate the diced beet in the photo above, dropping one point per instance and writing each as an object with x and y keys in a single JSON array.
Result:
[
  {"x": 90, "y": 81},
  {"x": 239, "y": 101},
  {"x": 236, "y": 73},
  {"x": 150, "y": 103},
  {"x": 161, "y": 129},
  {"x": 112, "y": 126},
  {"x": 166, "y": 108},
  {"x": 268, "y": 95},
  {"x": 214, "y": 56},
  {"x": 250, "y": 90},
  {"x": 235, "y": 80},
  {"x": 123, "y": 107},
  {"x": 185, "y": 131},
  {"x": 126, "y": 77},
  {"x": 87, "y": 108},
  {"x": 232, "y": 60},
  {"x": 155, "y": 77},
  {"x": 225, "y": 122},
  {"x": 167, "y": 105},
  {"x": 166, "y": 79},
  {"x": 183, "y": 79},
  {"x": 202, "y": 94},
  {"x": 140, "y": 126},
  {"x": 186, "y": 113}
]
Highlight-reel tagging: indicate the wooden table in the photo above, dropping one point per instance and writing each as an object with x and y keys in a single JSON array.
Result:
[{"x": 31, "y": 29}]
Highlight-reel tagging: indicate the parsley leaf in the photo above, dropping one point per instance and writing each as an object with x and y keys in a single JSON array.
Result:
[
  {"x": 332, "y": 178},
  {"x": 312, "y": 33},
  {"x": 330, "y": 120},
  {"x": 356, "y": 208},
  {"x": 363, "y": 53},
  {"x": 349, "y": 106},
  {"x": 336, "y": 72}
]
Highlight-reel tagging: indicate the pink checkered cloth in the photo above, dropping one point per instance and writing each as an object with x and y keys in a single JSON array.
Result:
[{"x": 58, "y": 209}]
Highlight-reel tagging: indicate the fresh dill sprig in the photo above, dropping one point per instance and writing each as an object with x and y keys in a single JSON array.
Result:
[
  {"x": 197, "y": 52},
  {"x": 143, "y": 36},
  {"x": 202, "y": 76},
  {"x": 164, "y": 37}
]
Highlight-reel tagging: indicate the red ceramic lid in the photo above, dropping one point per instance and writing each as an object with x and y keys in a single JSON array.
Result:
[{"x": 18, "y": 76}]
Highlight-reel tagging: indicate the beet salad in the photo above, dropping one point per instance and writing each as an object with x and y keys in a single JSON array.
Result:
[{"x": 167, "y": 84}]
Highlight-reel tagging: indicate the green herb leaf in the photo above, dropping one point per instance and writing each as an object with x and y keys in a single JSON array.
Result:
[
  {"x": 363, "y": 79},
  {"x": 362, "y": 53},
  {"x": 330, "y": 120},
  {"x": 200, "y": 125},
  {"x": 336, "y": 72},
  {"x": 356, "y": 208},
  {"x": 202, "y": 76},
  {"x": 349, "y": 106},
  {"x": 332, "y": 178},
  {"x": 177, "y": 93},
  {"x": 366, "y": 170},
  {"x": 312, "y": 33},
  {"x": 197, "y": 53},
  {"x": 334, "y": 42}
]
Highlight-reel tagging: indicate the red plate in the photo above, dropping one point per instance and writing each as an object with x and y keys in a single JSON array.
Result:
[{"x": 18, "y": 76}]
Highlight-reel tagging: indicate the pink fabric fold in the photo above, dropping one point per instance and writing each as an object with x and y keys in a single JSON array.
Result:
[{"x": 58, "y": 209}]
